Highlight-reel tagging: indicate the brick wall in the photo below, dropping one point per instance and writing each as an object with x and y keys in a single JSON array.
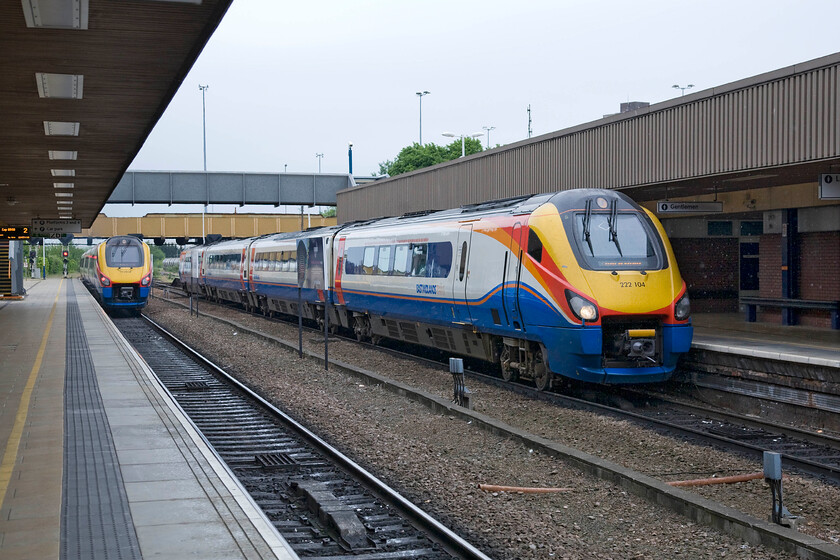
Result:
[
  {"x": 710, "y": 269},
  {"x": 819, "y": 274}
]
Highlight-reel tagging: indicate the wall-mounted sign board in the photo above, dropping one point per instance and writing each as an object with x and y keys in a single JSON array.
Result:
[
  {"x": 668, "y": 207},
  {"x": 829, "y": 186}
]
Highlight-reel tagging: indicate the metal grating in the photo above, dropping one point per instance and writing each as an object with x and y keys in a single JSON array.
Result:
[
  {"x": 95, "y": 520},
  {"x": 195, "y": 386},
  {"x": 275, "y": 460}
]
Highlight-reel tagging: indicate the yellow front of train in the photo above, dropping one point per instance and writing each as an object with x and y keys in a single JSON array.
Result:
[
  {"x": 609, "y": 268},
  {"x": 123, "y": 272}
]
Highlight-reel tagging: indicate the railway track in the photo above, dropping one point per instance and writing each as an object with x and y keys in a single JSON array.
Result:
[
  {"x": 322, "y": 503},
  {"x": 817, "y": 454}
]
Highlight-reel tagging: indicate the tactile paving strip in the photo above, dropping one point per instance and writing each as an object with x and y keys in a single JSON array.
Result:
[{"x": 95, "y": 518}]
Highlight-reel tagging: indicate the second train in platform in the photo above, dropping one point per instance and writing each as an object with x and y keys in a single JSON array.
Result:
[{"x": 118, "y": 271}]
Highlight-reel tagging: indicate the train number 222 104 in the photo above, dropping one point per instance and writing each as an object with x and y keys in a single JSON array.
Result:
[{"x": 631, "y": 284}]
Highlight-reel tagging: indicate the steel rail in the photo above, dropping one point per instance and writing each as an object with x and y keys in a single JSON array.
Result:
[
  {"x": 814, "y": 468},
  {"x": 452, "y": 542}
]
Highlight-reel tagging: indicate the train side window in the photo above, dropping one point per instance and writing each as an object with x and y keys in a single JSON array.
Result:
[
  {"x": 439, "y": 260},
  {"x": 535, "y": 245},
  {"x": 368, "y": 260},
  {"x": 401, "y": 255},
  {"x": 353, "y": 260},
  {"x": 463, "y": 261},
  {"x": 383, "y": 260},
  {"x": 419, "y": 254}
]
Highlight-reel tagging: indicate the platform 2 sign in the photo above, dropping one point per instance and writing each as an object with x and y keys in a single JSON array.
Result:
[
  {"x": 668, "y": 207},
  {"x": 829, "y": 186},
  {"x": 14, "y": 232},
  {"x": 49, "y": 228}
]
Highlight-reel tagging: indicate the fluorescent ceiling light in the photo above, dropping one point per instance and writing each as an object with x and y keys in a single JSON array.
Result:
[
  {"x": 64, "y": 194},
  {"x": 63, "y": 185},
  {"x": 63, "y": 172},
  {"x": 56, "y": 14},
  {"x": 58, "y": 128},
  {"x": 63, "y": 154},
  {"x": 64, "y": 202},
  {"x": 65, "y": 215},
  {"x": 59, "y": 86}
]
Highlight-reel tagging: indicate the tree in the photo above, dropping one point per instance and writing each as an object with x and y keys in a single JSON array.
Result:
[
  {"x": 417, "y": 156},
  {"x": 170, "y": 250}
]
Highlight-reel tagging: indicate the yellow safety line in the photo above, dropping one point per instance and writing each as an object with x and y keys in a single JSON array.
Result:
[{"x": 10, "y": 456}]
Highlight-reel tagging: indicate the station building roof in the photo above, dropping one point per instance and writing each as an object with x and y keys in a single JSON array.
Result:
[
  {"x": 84, "y": 82},
  {"x": 771, "y": 135}
]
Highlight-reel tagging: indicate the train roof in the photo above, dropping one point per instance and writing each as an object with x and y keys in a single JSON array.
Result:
[
  {"x": 514, "y": 205},
  {"x": 571, "y": 198}
]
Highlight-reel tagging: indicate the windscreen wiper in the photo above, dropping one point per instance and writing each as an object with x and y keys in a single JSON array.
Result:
[
  {"x": 587, "y": 218},
  {"x": 613, "y": 223}
]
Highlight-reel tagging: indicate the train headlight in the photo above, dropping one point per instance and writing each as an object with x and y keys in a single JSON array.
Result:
[
  {"x": 146, "y": 280},
  {"x": 582, "y": 307},
  {"x": 104, "y": 280},
  {"x": 682, "y": 309}
]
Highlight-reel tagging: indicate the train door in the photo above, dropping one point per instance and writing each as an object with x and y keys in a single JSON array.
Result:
[
  {"x": 510, "y": 284},
  {"x": 243, "y": 269},
  {"x": 198, "y": 268},
  {"x": 460, "y": 305}
]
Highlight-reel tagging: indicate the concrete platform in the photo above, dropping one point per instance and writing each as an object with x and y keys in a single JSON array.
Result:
[
  {"x": 784, "y": 373},
  {"x": 729, "y": 333},
  {"x": 97, "y": 460}
]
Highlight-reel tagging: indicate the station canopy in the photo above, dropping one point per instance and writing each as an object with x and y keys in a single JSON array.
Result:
[{"x": 84, "y": 83}]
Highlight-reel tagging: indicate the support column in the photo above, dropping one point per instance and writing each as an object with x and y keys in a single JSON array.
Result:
[{"x": 790, "y": 262}]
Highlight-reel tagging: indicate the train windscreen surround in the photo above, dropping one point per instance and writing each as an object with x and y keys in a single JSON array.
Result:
[
  {"x": 123, "y": 252},
  {"x": 618, "y": 241}
]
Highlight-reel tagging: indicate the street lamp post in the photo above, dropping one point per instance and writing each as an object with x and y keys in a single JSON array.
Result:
[
  {"x": 420, "y": 95},
  {"x": 204, "y": 138},
  {"x": 681, "y": 88},
  {"x": 488, "y": 129},
  {"x": 350, "y": 157},
  {"x": 453, "y": 135},
  {"x": 319, "y": 156}
]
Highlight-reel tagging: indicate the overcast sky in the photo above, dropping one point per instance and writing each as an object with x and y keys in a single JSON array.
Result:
[{"x": 288, "y": 80}]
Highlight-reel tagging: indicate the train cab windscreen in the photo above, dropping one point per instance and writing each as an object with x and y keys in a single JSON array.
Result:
[
  {"x": 124, "y": 252},
  {"x": 616, "y": 241}
]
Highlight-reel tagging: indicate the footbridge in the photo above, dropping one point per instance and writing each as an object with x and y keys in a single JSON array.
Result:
[{"x": 205, "y": 187}]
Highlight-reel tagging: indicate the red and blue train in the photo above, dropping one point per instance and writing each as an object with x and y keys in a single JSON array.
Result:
[{"x": 580, "y": 284}]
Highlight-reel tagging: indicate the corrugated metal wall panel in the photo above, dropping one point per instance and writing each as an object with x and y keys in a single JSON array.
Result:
[{"x": 786, "y": 119}]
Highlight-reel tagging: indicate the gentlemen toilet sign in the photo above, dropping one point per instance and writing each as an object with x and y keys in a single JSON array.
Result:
[
  {"x": 829, "y": 186},
  {"x": 668, "y": 207}
]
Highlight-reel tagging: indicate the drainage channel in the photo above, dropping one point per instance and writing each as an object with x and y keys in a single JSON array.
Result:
[{"x": 321, "y": 503}]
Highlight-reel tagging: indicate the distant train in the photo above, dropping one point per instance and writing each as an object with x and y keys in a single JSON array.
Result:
[
  {"x": 582, "y": 284},
  {"x": 118, "y": 271}
]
